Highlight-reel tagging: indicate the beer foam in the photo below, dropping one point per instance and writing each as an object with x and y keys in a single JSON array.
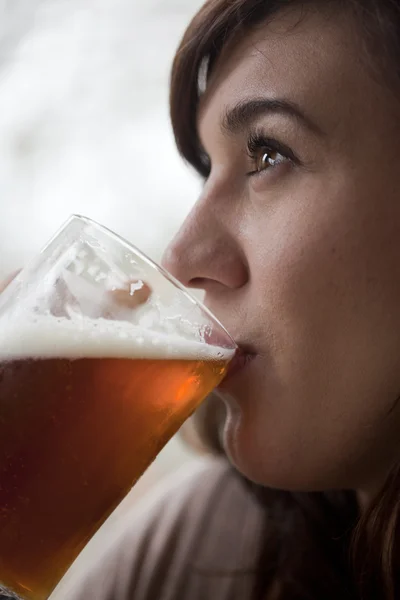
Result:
[{"x": 52, "y": 337}]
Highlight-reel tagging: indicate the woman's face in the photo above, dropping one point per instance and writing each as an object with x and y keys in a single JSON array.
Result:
[{"x": 296, "y": 241}]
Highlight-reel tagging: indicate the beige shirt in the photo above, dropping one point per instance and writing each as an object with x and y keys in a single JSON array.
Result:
[{"x": 197, "y": 537}]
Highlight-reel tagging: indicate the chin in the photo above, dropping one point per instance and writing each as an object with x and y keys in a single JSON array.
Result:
[
  {"x": 264, "y": 460},
  {"x": 241, "y": 447}
]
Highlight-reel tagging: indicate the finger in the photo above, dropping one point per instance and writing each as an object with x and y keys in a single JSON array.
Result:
[
  {"x": 115, "y": 304},
  {"x": 122, "y": 301},
  {"x": 134, "y": 294}
]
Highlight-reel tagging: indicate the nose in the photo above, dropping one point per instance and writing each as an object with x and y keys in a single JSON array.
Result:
[{"x": 206, "y": 252}]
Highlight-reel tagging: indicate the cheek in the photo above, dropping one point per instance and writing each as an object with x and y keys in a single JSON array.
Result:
[
  {"x": 326, "y": 308},
  {"x": 330, "y": 259}
]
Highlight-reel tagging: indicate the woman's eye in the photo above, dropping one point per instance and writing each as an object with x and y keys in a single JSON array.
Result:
[
  {"x": 267, "y": 158},
  {"x": 267, "y": 153}
]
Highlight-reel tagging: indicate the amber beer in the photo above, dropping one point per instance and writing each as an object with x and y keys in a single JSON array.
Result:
[{"x": 84, "y": 409}]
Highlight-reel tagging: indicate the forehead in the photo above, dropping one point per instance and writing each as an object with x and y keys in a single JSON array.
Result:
[{"x": 313, "y": 58}]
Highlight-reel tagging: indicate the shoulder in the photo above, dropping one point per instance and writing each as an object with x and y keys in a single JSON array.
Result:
[{"x": 201, "y": 527}]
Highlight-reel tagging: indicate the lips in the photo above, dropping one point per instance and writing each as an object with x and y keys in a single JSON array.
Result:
[{"x": 242, "y": 358}]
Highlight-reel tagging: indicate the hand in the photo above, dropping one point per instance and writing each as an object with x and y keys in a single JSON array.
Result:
[
  {"x": 132, "y": 295},
  {"x": 120, "y": 300}
]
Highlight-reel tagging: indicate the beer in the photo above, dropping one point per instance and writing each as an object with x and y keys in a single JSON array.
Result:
[{"x": 85, "y": 406}]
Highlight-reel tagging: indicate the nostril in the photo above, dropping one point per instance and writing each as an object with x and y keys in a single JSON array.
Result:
[
  {"x": 205, "y": 256},
  {"x": 198, "y": 283}
]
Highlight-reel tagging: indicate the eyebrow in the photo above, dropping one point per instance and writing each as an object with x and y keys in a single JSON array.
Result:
[{"x": 238, "y": 118}]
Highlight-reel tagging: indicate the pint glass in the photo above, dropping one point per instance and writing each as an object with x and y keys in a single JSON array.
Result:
[{"x": 103, "y": 355}]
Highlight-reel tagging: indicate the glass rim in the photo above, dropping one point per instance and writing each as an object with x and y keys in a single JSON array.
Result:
[{"x": 175, "y": 282}]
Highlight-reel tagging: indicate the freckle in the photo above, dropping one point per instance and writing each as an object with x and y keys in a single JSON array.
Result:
[{"x": 333, "y": 250}]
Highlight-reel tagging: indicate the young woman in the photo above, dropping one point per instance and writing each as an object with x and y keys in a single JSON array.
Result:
[{"x": 290, "y": 111}]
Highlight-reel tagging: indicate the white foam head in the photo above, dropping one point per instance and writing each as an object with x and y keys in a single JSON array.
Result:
[{"x": 52, "y": 337}]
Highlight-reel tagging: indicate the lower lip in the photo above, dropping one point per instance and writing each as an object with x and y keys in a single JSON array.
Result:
[{"x": 238, "y": 363}]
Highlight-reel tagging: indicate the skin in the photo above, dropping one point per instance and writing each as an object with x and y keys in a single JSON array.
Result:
[{"x": 301, "y": 261}]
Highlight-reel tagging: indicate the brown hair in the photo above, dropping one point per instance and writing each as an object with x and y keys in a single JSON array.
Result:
[{"x": 308, "y": 536}]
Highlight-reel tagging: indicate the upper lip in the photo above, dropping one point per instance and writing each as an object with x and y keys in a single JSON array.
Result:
[
  {"x": 245, "y": 347},
  {"x": 244, "y": 354}
]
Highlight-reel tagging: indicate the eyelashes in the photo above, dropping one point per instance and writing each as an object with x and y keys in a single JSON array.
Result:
[
  {"x": 263, "y": 153},
  {"x": 267, "y": 153}
]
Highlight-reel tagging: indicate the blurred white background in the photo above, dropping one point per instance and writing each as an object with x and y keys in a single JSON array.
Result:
[
  {"x": 84, "y": 121},
  {"x": 84, "y": 129}
]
